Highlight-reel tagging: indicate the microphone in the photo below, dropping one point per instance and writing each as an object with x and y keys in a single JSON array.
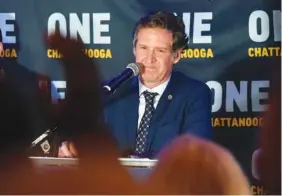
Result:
[
  {"x": 132, "y": 69},
  {"x": 42, "y": 137}
]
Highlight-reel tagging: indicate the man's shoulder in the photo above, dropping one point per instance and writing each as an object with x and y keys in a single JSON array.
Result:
[{"x": 191, "y": 84}]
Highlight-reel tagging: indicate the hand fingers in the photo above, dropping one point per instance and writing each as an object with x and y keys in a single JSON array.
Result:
[
  {"x": 81, "y": 72},
  {"x": 65, "y": 45},
  {"x": 64, "y": 151},
  {"x": 60, "y": 153},
  {"x": 72, "y": 149}
]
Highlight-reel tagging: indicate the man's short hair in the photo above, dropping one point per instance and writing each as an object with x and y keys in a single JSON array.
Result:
[{"x": 164, "y": 20}]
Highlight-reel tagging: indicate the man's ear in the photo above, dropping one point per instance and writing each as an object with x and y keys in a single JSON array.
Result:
[
  {"x": 134, "y": 50},
  {"x": 176, "y": 56}
]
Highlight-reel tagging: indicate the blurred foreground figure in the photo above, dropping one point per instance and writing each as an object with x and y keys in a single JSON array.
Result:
[{"x": 191, "y": 165}]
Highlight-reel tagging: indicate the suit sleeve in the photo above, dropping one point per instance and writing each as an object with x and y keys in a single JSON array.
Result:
[{"x": 197, "y": 115}]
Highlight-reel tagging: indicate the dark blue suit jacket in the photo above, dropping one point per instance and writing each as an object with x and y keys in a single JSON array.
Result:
[{"x": 189, "y": 111}]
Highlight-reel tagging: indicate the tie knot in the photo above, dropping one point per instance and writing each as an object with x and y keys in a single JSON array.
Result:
[{"x": 149, "y": 97}]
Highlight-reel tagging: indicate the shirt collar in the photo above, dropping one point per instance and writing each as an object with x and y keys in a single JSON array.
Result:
[{"x": 158, "y": 89}]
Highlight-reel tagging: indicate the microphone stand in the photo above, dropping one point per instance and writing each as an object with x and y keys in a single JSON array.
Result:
[{"x": 42, "y": 137}]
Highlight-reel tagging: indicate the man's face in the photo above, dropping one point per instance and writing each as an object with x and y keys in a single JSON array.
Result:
[{"x": 154, "y": 51}]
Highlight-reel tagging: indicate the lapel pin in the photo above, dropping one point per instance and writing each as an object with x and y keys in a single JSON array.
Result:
[{"x": 169, "y": 97}]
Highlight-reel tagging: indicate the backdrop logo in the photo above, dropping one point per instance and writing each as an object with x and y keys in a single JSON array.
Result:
[
  {"x": 8, "y": 28},
  {"x": 258, "y": 190},
  {"x": 242, "y": 97},
  {"x": 264, "y": 27},
  {"x": 198, "y": 28},
  {"x": 91, "y": 28}
]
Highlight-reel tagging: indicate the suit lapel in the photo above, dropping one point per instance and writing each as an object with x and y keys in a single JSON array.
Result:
[
  {"x": 162, "y": 106},
  {"x": 131, "y": 113}
]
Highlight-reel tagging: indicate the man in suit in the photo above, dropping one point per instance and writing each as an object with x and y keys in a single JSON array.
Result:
[{"x": 150, "y": 110}]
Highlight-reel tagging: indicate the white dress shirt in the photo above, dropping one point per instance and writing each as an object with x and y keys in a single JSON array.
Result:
[{"x": 142, "y": 102}]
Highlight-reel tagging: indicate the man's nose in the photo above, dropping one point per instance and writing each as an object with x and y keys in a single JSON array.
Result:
[{"x": 151, "y": 58}]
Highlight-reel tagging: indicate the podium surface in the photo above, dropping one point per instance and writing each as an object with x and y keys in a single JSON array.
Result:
[
  {"x": 54, "y": 161},
  {"x": 139, "y": 168}
]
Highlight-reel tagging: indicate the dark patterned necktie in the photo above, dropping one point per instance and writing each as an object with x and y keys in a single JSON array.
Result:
[{"x": 145, "y": 122}]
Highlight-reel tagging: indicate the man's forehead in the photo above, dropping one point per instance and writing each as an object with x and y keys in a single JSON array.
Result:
[
  {"x": 155, "y": 30},
  {"x": 156, "y": 45},
  {"x": 154, "y": 36}
]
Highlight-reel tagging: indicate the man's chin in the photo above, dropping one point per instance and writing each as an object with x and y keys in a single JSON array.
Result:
[{"x": 148, "y": 79}]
